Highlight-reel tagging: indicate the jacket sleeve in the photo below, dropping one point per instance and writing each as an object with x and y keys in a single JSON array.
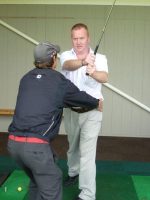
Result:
[{"x": 76, "y": 98}]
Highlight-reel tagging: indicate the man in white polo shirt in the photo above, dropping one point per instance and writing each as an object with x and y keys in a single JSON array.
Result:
[{"x": 82, "y": 126}]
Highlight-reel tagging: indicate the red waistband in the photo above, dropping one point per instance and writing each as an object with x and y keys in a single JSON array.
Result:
[{"x": 27, "y": 139}]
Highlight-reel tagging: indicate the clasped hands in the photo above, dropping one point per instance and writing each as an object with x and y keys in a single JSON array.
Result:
[{"x": 90, "y": 60}]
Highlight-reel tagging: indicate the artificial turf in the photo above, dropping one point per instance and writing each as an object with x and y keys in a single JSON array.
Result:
[{"x": 116, "y": 180}]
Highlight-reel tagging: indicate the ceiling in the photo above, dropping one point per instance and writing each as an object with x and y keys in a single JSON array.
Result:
[{"x": 80, "y": 2}]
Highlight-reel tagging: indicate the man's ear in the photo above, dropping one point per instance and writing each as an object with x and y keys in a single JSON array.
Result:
[{"x": 54, "y": 62}]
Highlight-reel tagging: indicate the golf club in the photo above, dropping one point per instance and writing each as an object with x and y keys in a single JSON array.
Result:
[{"x": 103, "y": 30}]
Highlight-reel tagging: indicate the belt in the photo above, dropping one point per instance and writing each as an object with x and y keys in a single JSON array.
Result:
[
  {"x": 27, "y": 139},
  {"x": 81, "y": 110}
]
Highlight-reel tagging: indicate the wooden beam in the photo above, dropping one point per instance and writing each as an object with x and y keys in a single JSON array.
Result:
[{"x": 8, "y": 112}]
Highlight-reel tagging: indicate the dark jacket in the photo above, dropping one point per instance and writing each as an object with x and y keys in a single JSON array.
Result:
[{"x": 42, "y": 95}]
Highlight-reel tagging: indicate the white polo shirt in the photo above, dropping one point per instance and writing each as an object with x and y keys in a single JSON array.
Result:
[{"x": 79, "y": 77}]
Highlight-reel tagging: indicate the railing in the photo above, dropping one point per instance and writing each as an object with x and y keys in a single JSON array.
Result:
[
  {"x": 126, "y": 96},
  {"x": 133, "y": 100}
]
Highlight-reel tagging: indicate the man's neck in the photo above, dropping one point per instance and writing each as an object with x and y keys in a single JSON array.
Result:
[{"x": 82, "y": 55}]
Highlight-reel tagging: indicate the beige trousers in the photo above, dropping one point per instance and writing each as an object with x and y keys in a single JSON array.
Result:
[{"x": 83, "y": 130}]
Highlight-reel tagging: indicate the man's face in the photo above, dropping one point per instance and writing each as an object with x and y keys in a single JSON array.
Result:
[{"x": 80, "y": 40}]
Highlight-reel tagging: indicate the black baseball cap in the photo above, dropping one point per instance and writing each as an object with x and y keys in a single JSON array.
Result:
[{"x": 44, "y": 51}]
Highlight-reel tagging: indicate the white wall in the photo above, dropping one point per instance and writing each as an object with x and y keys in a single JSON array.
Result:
[{"x": 126, "y": 44}]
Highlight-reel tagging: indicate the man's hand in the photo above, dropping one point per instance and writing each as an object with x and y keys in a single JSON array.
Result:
[
  {"x": 90, "y": 69},
  {"x": 90, "y": 59},
  {"x": 100, "y": 106}
]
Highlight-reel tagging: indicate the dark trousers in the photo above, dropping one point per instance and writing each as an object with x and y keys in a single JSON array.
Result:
[{"x": 38, "y": 162}]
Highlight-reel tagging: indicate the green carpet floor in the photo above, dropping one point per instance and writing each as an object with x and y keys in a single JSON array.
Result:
[
  {"x": 116, "y": 180},
  {"x": 9, "y": 189}
]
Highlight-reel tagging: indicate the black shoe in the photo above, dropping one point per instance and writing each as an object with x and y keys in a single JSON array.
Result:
[{"x": 70, "y": 180}]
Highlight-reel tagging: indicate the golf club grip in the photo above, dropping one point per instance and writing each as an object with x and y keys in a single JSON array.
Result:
[
  {"x": 95, "y": 51},
  {"x": 96, "y": 48}
]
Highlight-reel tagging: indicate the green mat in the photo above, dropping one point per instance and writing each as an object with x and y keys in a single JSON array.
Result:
[
  {"x": 115, "y": 181},
  {"x": 142, "y": 187},
  {"x": 9, "y": 189},
  {"x": 109, "y": 187},
  {"x": 119, "y": 167}
]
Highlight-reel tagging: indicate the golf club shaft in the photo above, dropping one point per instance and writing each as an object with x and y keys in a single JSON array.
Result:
[{"x": 103, "y": 30}]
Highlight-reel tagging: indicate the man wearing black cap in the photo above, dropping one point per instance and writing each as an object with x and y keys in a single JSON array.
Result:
[{"x": 43, "y": 92}]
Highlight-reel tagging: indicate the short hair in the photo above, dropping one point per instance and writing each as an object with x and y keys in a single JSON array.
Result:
[
  {"x": 44, "y": 52},
  {"x": 45, "y": 64},
  {"x": 79, "y": 26}
]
